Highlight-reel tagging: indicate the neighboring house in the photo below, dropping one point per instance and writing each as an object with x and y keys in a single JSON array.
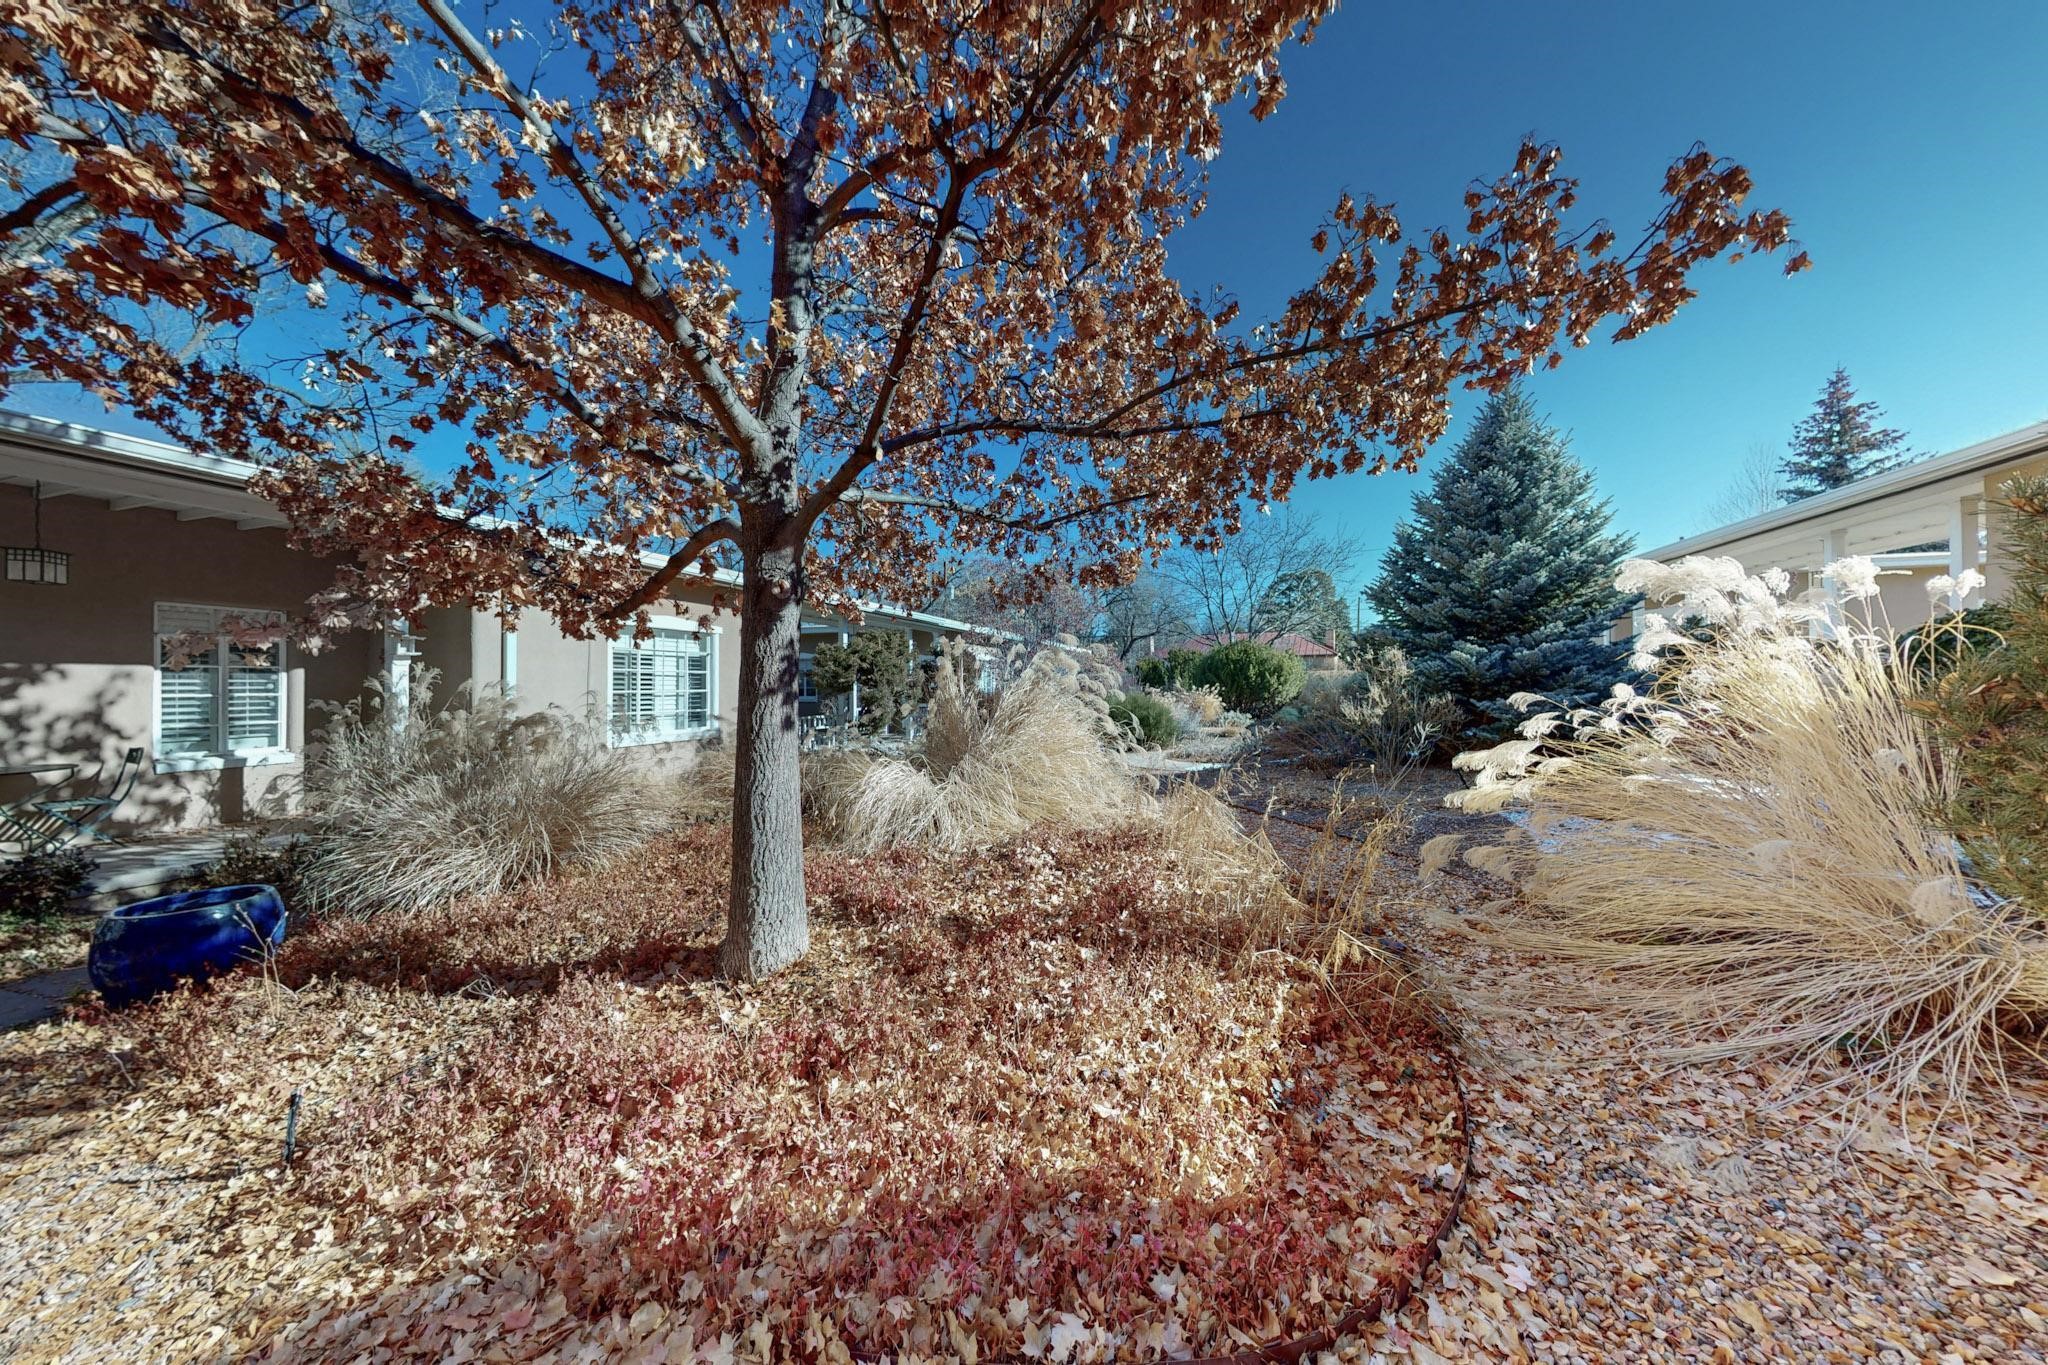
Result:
[
  {"x": 1947, "y": 501},
  {"x": 114, "y": 545},
  {"x": 1317, "y": 656}
]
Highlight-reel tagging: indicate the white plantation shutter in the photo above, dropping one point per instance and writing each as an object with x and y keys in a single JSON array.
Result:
[
  {"x": 662, "y": 688},
  {"x": 255, "y": 700},
  {"x": 226, "y": 699},
  {"x": 188, "y": 702}
]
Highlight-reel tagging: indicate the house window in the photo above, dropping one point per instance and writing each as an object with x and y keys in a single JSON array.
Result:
[
  {"x": 226, "y": 700},
  {"x": 806, "y": 685},
  {"x": 664, "y": 688}
]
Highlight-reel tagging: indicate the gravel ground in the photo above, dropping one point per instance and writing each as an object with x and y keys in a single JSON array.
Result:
[{"x": 1630, "y": 1211}]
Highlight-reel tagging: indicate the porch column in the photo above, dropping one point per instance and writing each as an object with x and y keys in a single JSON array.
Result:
[
  {"x": 1963, "y": 520},
  {"x": 400, "y": 649},
  {"x": 853, "y": 715},
  {"x": 1997, "y": 566},
  {"x": 1834, "y": 545}
]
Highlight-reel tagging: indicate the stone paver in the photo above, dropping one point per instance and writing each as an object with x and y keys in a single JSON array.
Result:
[{"x": 36, "y": 998}]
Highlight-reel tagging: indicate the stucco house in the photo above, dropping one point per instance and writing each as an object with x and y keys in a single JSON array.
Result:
[
  {"x": 114, "y": 544},
  {"x": 1948, "y": 501}
]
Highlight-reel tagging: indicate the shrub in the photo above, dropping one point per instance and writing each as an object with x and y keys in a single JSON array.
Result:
[
  {"x": 1747, "y": 854},
  {"x": 40, "y": 886},
  {"x": 247, "y": 860},
  {"x": 1251, "y": 677},
  {"x": 1042, "y": 749},
  {"x": 1993, "y": 709},
  {"x": 703, "y": 792},
  {"x": 1381, "y": 717},
  {"x": 1170, "y": 671},
  {"x": 413, "y": 810},
  {"x": 879, "y": 661},
  {"x": 1148, "y": 720}
]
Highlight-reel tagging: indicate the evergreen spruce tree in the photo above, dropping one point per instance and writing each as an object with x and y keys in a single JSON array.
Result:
[
  {"x": 1502, "y": 581},
  {"x": 1840, "y": 442}
]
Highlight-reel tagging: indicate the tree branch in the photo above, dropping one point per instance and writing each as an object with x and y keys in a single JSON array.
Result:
[
  {"x": 37, "y": 233},
  {"x": 720, "y": 395},
  {"x": 1040, "y": 526},
  {"x": 561, "y": 157},
  {"x": 961, "y": 178},
  {"x": 691, "y": 550}
]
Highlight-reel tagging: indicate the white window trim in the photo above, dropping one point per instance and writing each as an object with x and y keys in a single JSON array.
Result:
[
  {"x": 639, "y": 739},
  {"x": 260, "y": 757}
]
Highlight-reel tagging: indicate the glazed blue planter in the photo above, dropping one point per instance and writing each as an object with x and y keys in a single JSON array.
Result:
[{"x": 146, "y": 948}]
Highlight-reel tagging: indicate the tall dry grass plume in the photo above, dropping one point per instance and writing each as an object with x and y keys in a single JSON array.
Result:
[
  {"x": 415, "y": 806},
  {"x": 1321, "y": 909},
  {"x": 1749, "y": 851},
  {"x": 1041, "y": 750}
]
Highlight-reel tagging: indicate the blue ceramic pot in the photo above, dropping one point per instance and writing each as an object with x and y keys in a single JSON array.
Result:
[{"x": 142, "y": 949}]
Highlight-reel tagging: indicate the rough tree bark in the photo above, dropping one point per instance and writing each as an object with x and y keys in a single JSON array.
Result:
[{"x": 767, "y": 923}]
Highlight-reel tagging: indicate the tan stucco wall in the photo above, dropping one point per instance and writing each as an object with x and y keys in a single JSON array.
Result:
[
  {"x": 552, "y": 670},
  {"x": 77, "y": 665},
  {"x": 77, "y": 675}
]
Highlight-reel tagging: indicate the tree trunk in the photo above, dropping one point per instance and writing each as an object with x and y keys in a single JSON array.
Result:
[{"x": 767, "y": 922}]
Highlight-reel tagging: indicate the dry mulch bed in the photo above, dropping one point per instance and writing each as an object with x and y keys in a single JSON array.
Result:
[
  {"x": 1034, "y": 1102},
  {"x": 1629, "y": 1211},
  {"x": 47, "y": 945}
]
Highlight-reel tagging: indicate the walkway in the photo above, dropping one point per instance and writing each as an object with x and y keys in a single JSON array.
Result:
[{"x": 36, "y": 998}]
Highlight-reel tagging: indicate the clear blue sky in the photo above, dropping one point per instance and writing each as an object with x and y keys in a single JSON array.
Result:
[{"x": 1908, "y": 140}]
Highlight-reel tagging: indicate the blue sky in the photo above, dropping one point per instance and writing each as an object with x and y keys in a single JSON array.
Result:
[
  {"x": 1906, "y": 140},
  {"x": 1909, "y": 142}
]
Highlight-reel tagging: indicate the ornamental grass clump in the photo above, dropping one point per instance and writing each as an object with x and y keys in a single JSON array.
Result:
[
  {"x": 1043, "y": 749},
  {"x": 1381, "y": 718},
  {"x": 416, "y": 806},
  {"x": 1751, "y": 852}
]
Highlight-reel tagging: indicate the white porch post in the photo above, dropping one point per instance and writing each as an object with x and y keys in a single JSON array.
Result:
[
  {"x": 853, "y": 712},
  {"x": 1834, "y": 545},
  {"x": 508, "y": 660},
  {"x": 1997, "y": 566},
  {"x": 400, "y": 648},
  {"x": 1963, "y": 520}
]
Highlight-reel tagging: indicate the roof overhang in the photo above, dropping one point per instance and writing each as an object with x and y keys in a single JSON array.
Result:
[
  {"x": 1908, "y": 506},
  {"x": 128, "y": 472}
]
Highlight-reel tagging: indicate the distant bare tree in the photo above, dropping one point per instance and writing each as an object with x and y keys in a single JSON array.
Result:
[
  {"x": 986, "y": 591},
  {"x": 1232, "y": 589},
  {"x": 1148, "y": 614},
  {"x": 1758, "y": 487}
]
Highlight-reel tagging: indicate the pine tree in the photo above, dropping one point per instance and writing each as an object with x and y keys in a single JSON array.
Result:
[
  {"x": 1840, "y": 442},
  {"x": 1502, "y": 581}
]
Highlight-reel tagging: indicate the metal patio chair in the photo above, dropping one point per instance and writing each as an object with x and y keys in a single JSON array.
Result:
[{"x": 46, "y": 825}]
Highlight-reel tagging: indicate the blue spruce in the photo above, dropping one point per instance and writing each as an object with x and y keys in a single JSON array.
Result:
[{"x": 1502, "y": 579}]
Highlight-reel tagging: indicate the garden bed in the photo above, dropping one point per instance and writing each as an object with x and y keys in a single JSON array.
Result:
[
  {"x": 1631, "y": 1209},
  {"x": 1042, "y": 1100}
]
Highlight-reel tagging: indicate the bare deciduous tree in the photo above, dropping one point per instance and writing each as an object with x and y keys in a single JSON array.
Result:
[
  {"x": 1232, "y": 587},
  {"x": 1145, "y": 616},
  {"x": 1757, "y": 487}
]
